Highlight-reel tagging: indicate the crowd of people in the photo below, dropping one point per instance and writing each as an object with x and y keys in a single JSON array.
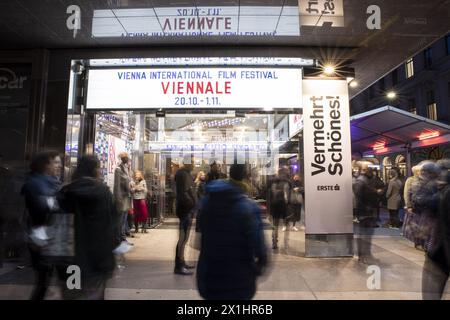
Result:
[
  {"x": 285, "y": 198},
  {"x": 425, "y": 199},
  {"x": 84, "y": 223}
]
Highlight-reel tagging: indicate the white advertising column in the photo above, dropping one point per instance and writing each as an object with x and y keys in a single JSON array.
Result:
[{"x": 328, "y": 175}]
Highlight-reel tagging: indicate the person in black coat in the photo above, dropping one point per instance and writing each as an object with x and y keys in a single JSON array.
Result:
[
  {"x": 214, "y": 173},
  {"x": 185, "y": 203},
  {"x": 233, "y": 252},
  {"x": 95, "y": 227},
  {"x": 366, "y": 203},
  {"x": 279, "y": 199}
]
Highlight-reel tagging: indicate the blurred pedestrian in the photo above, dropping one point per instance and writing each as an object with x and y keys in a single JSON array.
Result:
[
  {"x": 411, "y": 221},
  {"x": 425, "y": 202},
  {"x": 355, "y": 175},
  {"x": 436, "y": 269},
  {"x": 200, "y": 184},
  {"x": 95, "y": 226},
  {"x": 233, "y": 253},
  {"x": 376, "y": 183},
  {"x": 122, "y": 195},
  {"x": 394, "y": 199},
  {"x": 295, "y": 204},
  {"x": 139, "y": 192},
  {"x": 39, "y": 191},
  {"x": 279, "y": 198},
  {"x": 185, "y": 204},
  {"x": 366, "y": 201},
  {"x": 214, "y": 172}
]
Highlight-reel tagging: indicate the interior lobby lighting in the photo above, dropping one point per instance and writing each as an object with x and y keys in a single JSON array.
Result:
[
  {"x": 391, "y": 95},
  {"x": 428, "y": 135}
]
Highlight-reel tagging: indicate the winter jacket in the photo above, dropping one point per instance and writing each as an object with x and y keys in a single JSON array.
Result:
[
  {"x": 375, "y": 183},
  {"x": 212, "y": 176},
  {"x": 122, "y": 189},
  {"x": 201, "y": 189},
  {"x": 186, "y": 192},
  {"x": 407, "y": 191},
  {"x": 425, "y": 197},
  {"x": 233, "y": 252},
  {"x": 444, "y": 219},
  {"x": 366, "y": 196},
  {"x": 96, "y": 223},
  {"x": 394, "y": 199},
  {"x": 441, "y": 253},
  {"x": 280, "y": 196},
  {"x": 39, "y": 191},
  {"x": 139, "y": 190}
]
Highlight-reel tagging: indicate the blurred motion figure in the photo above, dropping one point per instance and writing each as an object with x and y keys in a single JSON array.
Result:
[
  {"x": 95, "y": 226},
  {"x": 39, "y": 191},
  {"x": 233, "y": 252}
]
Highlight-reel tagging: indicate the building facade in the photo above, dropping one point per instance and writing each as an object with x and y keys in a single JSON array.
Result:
[{"x": 421, "y": 85}]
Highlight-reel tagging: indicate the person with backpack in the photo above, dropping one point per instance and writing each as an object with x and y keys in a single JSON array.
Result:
[{"x": 279, "y": 198}]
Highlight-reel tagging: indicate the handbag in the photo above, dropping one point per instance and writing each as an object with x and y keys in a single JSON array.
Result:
[
  {"x": 296, "y": 197},
  {"x": 61, "y": 235}
]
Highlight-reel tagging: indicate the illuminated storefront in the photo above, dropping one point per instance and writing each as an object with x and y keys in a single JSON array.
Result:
[{"x": 223, "y": 110}]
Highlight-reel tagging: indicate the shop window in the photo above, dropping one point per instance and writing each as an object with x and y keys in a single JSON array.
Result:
[
  {"x": 432, "y": 111},
  {"x": 409, "y": 68},
  {"x": 428, "y": 55}
]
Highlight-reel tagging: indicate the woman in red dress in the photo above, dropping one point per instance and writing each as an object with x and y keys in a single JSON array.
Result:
[{"x": 139, "y": 190}]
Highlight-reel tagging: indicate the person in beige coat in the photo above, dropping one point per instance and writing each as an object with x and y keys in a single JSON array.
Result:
[
  {"x": 122, "y": 193},
  {"x": 394, "y": 199},
  {"x": 411, "y": 220},
  {"x": 407, "y": 191}
]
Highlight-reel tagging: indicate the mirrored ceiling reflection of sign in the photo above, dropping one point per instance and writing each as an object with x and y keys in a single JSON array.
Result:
[
  {"x": 320, "y": 12},
  {"x": 197, "y": 21},
  {"x": 15, "y": 85}
]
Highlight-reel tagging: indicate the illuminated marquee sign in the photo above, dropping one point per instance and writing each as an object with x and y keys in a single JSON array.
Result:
[
  {"x": 197, "y": 21},
  {"x": 217, "y": 88}
]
